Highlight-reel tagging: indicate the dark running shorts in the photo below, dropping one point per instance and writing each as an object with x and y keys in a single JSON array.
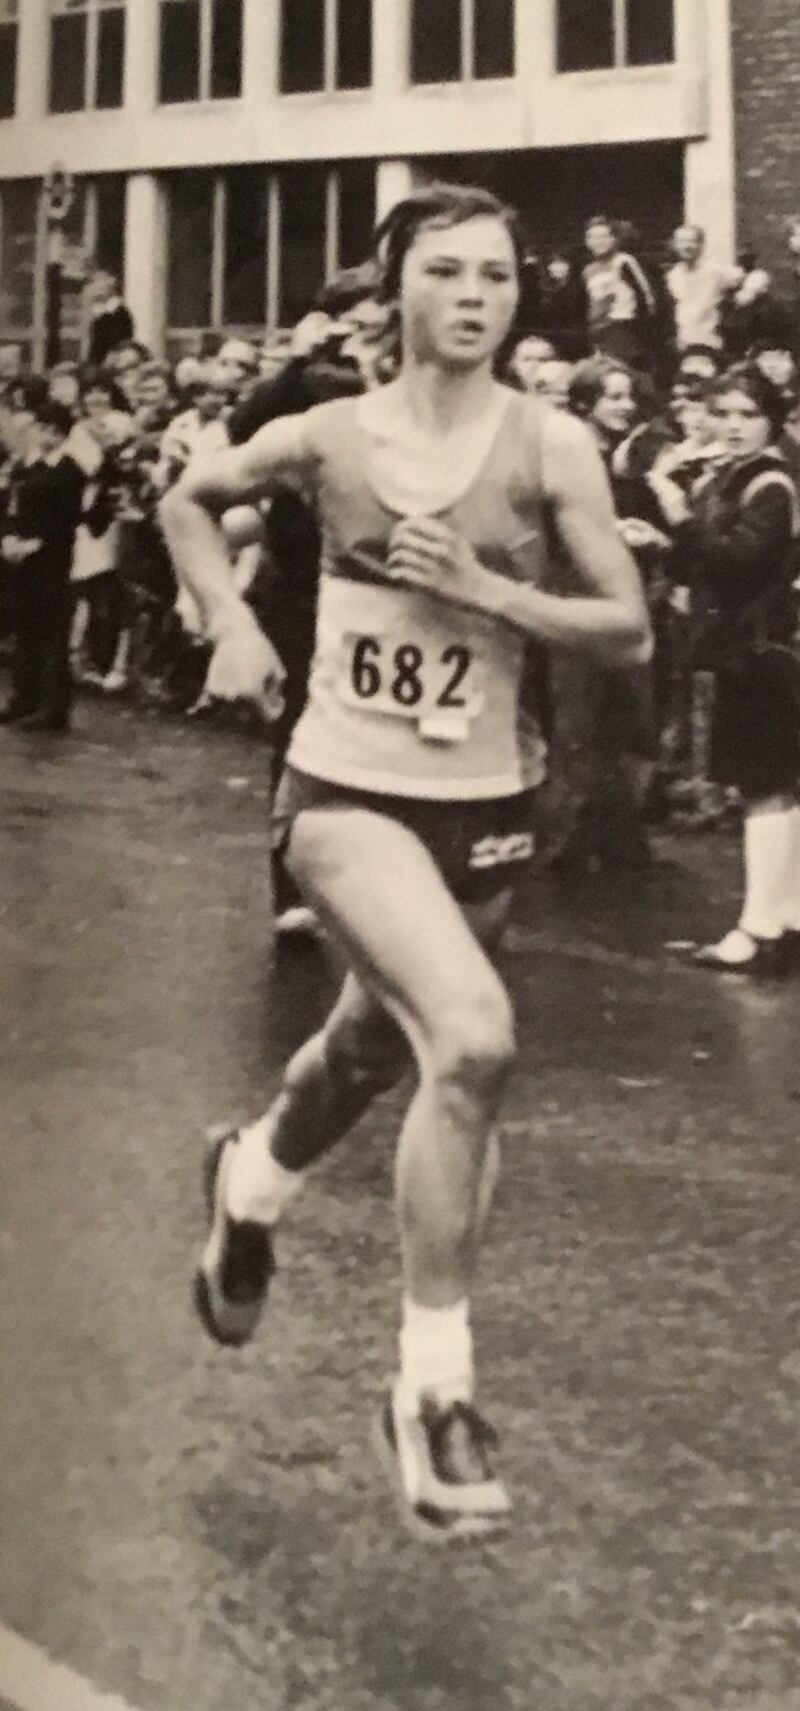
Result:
[{"x": 480, "y": 848}]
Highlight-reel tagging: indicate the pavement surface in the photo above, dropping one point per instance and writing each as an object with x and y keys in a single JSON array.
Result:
[{"x": 188, "y": 1529}]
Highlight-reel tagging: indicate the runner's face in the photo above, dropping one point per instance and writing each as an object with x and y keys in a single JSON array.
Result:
[
  {"x": 459, "y": 293},
  {"x": 740, "y": 425}
]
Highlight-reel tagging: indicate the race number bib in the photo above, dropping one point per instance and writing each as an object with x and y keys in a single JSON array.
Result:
[{"x": 438, "y": 685}]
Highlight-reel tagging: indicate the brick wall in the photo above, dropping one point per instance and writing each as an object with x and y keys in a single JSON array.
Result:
[{"x": 766, "y": 75}]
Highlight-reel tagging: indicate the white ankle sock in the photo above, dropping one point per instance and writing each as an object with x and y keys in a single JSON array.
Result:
[
  {"x": 435, "y": 1354},
  {"x": 259, "y": 1188},
  {"x": 768, "y": 846}
]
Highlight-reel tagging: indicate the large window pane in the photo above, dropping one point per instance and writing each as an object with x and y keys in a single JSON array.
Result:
[
  {"x": 302, "y": 269},
  {"x": 110, "y": 58},
  {"x": 435, "y": 41},
  {"x": 494, "y": 38},
  {"x": 189, "y": 250},
  {"x": 18, "y": 222},
  {"x": 68, "y": 43},
  {"x": 179, "y": 62},
  {"x": 354, "y": 44},
  {"x": 356, "y": 211},
  {"x": 226, "y": 49},
  {"x": 650, "y": 32},
  {"x": 8, "y": 69},
  {"x": 245, "y": 278},
  {"x": 585, "y": 35},
  {"x": 302, "y": 46}
]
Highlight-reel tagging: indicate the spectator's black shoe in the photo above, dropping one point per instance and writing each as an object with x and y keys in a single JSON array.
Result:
[
  {"x": 42, "y": 721},
  {"x": 741, "y": 953},
  {"x": 13, "y": 713},
  {"x": 232, "y": 1279},
  {"x": 791, "y": 945}
]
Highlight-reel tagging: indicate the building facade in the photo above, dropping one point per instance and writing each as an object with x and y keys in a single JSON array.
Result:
[
  {"x": 766, "y": 60},
  {"x": 227, "y": 155}
]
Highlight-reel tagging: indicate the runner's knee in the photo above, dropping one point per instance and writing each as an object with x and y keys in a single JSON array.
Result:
[{"x": 472, "y": 1044}]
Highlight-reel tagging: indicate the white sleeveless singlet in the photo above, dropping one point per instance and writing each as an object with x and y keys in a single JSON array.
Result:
[{"x": 408, "y": 694}]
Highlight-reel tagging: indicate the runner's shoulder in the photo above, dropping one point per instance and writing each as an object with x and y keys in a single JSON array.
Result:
[
  {"x": 569, "y": 451},
  {"x": 324, "y": 425}
]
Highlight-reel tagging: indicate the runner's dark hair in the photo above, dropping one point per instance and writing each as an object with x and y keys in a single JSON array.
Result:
[{"x": 435, "y": 205}]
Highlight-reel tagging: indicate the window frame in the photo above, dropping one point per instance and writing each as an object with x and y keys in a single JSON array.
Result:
[
  {"x": 204, "y": 96},
  {"x": 10, "y": 20},
  {"x": 273, "y": 195},
  {"x": 468, "y": 45},
  {"x": 92, "y": 11},
  {"x": 620, "y": 62},
  {"x": 330, "y": 60}
]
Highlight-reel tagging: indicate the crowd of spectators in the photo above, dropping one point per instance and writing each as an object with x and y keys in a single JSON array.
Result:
[{"x": 88, "y": 599}]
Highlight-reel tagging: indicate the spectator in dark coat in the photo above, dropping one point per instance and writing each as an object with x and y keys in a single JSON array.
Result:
[
  {"x": 42, "y": 515},
  {"x": 112, "y": 321},
  {"x": 751, "y": 313},
  {"x": 563, "y": 307}
]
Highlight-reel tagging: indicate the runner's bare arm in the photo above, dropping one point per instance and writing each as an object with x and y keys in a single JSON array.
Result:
[
  {"x": 610, "y": 620},
  {"x": 190, "y": 513}
]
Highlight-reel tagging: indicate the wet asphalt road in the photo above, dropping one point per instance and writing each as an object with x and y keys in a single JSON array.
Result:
[{"x": 196, "y": 1530}]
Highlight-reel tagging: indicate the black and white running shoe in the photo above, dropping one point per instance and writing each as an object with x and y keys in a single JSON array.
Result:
[
  {"x": 232, "y": 1279},
  {"x": 440, "y": 1467}
]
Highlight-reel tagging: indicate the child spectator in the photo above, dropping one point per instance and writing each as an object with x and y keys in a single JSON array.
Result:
[
  {"x": 42, "y": 515},
  {"x": 95, "y": 442}
]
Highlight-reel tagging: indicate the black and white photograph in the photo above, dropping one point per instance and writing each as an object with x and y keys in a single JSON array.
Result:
[{"x": 399, "y": 855}]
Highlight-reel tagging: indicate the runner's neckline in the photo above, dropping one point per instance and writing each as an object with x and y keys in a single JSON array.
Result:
[{"x": 370, "y": 433}]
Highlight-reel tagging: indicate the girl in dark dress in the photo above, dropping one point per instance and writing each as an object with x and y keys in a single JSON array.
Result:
[{"x": 736, "y": 546}]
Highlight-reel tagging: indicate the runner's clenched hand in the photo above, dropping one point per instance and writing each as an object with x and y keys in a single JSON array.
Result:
[{"x": 426, "y": 553}]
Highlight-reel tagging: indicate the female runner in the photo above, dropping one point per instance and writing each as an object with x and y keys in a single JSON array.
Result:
[{"x": 404, "y": 797}]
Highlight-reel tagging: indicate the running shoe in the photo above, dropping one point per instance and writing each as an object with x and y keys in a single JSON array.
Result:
[
  {"x": 439, "y": 1462},
  {"x": 232, "y": 1279}
]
